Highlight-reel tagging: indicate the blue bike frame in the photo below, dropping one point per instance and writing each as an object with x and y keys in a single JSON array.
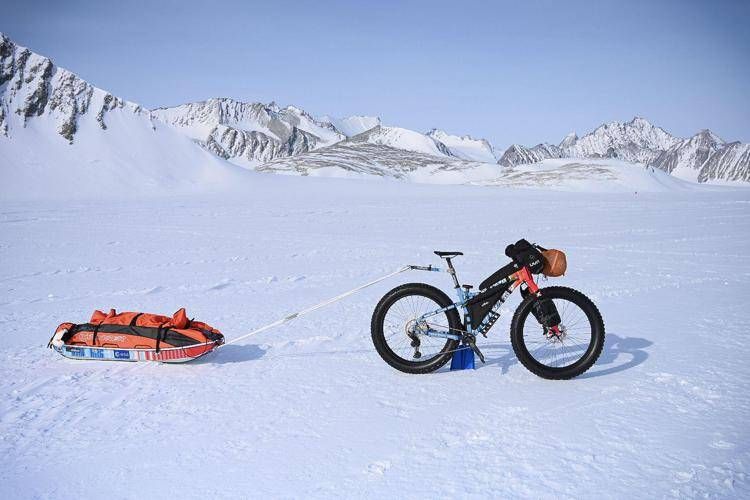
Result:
[{"x": 464, "y": 295}]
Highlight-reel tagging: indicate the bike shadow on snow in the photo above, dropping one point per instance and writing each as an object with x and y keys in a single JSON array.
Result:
[
  {"x": 505, "y": 361},
  {"x": 619, "y": 354},
  {"x": 633, "y": 348}
]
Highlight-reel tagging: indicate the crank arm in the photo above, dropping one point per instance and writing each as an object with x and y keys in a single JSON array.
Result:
[
  {"x": 471, "y": 341},
  {"x": 477, "y": 352}
]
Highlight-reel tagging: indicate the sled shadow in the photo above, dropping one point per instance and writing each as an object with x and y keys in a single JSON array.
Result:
[
  {"x": 632, "y": 350},
  {"x": 232, "y": 354}
]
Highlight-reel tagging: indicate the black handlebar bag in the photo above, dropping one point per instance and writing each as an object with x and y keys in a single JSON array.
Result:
[{"x": 525, "y": 254}]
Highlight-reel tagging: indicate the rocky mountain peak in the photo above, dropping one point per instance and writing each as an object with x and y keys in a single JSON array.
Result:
[
  {"x": 353, "y": 125},
  {"x": 705, "y": 136},
  {"x": 700, "y": 158},
  {"x": 273, "y": 106},
  {"x": 33, "y": 87},
  {"x": 569, "y": 140}
]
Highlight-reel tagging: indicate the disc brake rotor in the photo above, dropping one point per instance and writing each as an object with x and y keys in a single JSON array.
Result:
[{"x": 556, "y": 336}]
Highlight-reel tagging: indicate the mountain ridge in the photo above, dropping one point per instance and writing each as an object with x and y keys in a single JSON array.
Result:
[
  {"x": 62, "y": 137},
  {"x": 36, "y": 94},
  {"x": 700, "y": 158}
]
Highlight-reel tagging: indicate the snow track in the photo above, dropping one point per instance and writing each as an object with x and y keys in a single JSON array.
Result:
[{"x": 309, "y": 410}]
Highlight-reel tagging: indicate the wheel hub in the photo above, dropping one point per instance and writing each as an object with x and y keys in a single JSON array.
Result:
[{"x": 555, "y": 333}]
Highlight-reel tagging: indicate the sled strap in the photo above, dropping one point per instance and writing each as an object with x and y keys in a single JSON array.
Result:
[
  {"x": 317, "y": 306},
  {"x": 135, "y": 319},
  {"x": 160, "y": 334},
  {"x": 96, "y": 330}
]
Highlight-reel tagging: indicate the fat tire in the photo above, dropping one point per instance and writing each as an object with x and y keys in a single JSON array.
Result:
[
  {"x": 577, "y": 368},
  {"x": 378, "y": 336}
]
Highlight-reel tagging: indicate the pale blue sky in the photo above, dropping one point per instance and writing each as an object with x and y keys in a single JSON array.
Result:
[{"x": 509, "y": 71}]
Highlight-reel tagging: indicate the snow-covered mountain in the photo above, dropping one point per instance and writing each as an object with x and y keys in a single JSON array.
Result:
[
  {"x": 521, "y": 155},
  {"x": 32, "y": 86},
  {"x": 61, "y": 136},
  {"x": 701, "y": 158},
  {"x": 465, "y": 147},
  {"x": 730, "y": 163},
  {"x": 353, "y": 125},
  {"x": 59, "y": 131},
  {"x": 405, "y": 139},
  {"x": 706, "y": 157},
  {"x": 249, "y": 134},
  {"x": 635, "y": 141}
]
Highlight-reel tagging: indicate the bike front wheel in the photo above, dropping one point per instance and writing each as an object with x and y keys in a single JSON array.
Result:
[
  {"x": 568, "y": 349},
  {"x": 399, "y": 334}
]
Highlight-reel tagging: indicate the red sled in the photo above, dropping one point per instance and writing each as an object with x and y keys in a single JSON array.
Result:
[{"x": 136, "y": 336}]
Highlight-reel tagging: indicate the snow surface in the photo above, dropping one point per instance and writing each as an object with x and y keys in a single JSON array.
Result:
[
  {"x": 600, "y": 175},
  {"x": 310, "y": 411},
  {"x": 36, "y": 162}
]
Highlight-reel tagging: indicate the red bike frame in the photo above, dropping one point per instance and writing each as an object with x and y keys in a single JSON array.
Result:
[{"x": 525, "y": 276}]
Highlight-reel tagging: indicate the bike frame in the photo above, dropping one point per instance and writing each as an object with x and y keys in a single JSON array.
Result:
[{"x": 521, "y": 277}]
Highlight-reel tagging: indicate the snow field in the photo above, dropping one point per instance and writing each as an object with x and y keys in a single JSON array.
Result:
[{"x": 310, "y": 411}]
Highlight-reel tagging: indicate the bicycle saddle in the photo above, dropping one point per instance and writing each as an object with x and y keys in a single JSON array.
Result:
[{"x": 447, "y": 254}]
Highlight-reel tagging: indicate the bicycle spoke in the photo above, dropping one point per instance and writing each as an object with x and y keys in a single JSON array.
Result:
[
  {"x": 402, "y": 316},
  {"x": 567, "y": 349}
]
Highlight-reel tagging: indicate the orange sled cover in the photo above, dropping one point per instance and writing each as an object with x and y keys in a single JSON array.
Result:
[{"x": 135, "y": 330}]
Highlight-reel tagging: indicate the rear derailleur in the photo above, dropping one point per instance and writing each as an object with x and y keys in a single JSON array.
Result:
[
  {"x": 411, "y": 331},
  {"x": 415, "y": 343}
]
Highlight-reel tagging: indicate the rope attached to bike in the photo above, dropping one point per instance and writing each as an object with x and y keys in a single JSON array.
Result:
[{"x": 319, "y": 305}]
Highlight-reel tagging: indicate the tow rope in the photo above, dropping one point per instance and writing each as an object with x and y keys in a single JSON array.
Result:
[{"x": 319, "y": 305}]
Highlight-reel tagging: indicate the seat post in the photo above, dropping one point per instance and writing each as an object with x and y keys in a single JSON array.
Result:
[{"x": 452, "y": 272}]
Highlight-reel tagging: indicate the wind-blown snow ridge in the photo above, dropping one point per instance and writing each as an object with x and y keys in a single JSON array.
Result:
[{"x": 362, "y": 157}]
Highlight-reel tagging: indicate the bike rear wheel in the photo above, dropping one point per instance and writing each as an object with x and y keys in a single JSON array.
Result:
[
  {"x": 570, "y": 351},
  {"x": 398, "y": 337}
]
